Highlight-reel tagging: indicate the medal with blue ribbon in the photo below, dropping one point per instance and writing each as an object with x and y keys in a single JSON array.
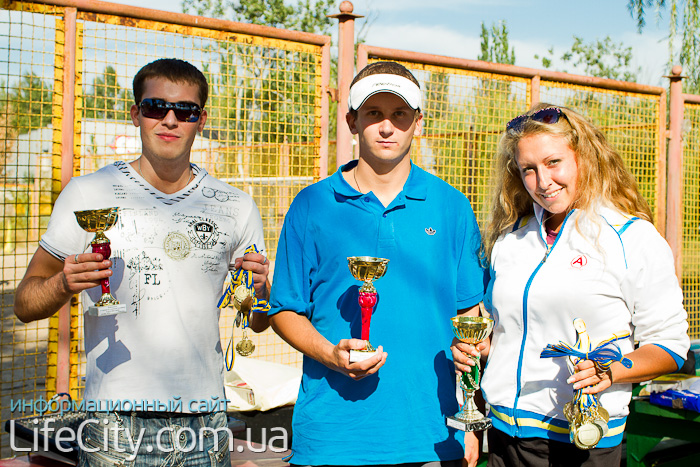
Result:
[
  {"x": 240, "y": 292},
  {"x": 588, "y": 420}
]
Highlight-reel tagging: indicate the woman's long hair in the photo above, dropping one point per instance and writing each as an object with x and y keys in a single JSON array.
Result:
[{"x": 602, "y": 176}]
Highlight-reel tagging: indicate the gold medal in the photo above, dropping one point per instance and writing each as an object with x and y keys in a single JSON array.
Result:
[
  {"x": 242, "y": 298},
  {"x": 245, "y": 347},
  {"x": 588, "y": 420},
  {"x": 588, "y": 426},
  {"x": 240, "y": 293}
]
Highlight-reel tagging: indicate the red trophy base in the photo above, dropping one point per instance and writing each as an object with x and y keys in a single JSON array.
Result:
[
  {"x": 367, "y": 301},
  {"x": 107, "y": 305}
]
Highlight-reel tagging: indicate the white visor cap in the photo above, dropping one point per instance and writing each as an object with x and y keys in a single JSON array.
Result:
[{"x": 373, "y": 84}]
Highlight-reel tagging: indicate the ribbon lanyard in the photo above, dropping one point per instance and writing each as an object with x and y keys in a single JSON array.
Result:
[
  {"x": 240, "y": 292},
  {"x": 602, "y": 355}
]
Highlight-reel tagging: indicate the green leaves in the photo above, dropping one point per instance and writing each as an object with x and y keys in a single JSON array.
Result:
[
  {"x": 688, "y": 54},
  {"x": 494, "y": 44},
  {"x": 105, "y": 98},
  {"x": 602, "y": 58},
  {"x": 30, "y": 99},
  {"x": 306, "y": 15}
]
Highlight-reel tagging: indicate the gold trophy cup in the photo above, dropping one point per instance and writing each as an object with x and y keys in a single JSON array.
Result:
[
  {"x": 470, "y": 330},
  {"x": 97, "y": 221},
  {"x": 366, "y": 269}
]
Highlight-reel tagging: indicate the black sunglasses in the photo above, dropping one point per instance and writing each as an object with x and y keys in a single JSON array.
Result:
[
  {"x": 158, "y": 108},
  {"x": 550, "y": 116}
]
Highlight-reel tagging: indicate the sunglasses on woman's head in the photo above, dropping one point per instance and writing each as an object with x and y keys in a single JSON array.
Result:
[
  {"x": 550, "y": 116},
  {"x": 158, "y": 109}
]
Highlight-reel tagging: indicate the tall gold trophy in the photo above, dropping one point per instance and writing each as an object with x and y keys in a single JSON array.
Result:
[
  {"x": 470, "y": 330},
  {"x": 98, "y": 221},
  {"x": 367, "y": 269}
]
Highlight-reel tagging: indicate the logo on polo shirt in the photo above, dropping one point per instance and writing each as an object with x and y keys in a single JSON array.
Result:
[
  {"x": 204, "y": 233},
  {"x": 579, "y": 262},
  {"x": 430, "y": 231}
]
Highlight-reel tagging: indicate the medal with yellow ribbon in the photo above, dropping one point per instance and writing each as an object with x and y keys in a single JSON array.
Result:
[
  {"x": 240, "y": 292},
  {"x": 588, "y": 420}
]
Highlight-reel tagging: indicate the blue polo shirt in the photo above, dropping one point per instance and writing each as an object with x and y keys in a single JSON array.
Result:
[{"x": 431, "y": 238}]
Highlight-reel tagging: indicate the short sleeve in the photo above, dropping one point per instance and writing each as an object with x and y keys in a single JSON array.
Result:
[
  {"x": 290, "y": 287},
  {"x": 63, "y": 236},
  {"x": 252, "y": 233}
]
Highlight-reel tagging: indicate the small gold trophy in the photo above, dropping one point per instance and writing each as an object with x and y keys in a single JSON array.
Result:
[
  {"x": 367, "y": 269},
  {"x": 470, "y": 330},
  {"x": 97, "y": 221}
]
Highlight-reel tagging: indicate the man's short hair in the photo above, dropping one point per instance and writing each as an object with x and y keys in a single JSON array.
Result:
[{"x": 175, "y": 70}]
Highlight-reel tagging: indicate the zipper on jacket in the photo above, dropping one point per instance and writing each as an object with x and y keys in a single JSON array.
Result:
[
  {"x": 546, "y": 253},
  {"x": 525, "y": 297}
]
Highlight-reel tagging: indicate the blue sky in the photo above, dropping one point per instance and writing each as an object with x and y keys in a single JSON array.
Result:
[{"x": 452, "y": 27}]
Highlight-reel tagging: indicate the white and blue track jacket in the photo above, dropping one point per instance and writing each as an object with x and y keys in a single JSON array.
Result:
[{"x": 612, "y": 270}]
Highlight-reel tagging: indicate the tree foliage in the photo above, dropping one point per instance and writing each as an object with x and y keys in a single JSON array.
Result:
[
  {"x": 494, "y": 44},
  {"x": 106, "y": 99},
  {"x": 461, "y": 131},
  {"x": 686, "y": 14},
  {"x": 307, "y": 15},
  {"x": 30, "y": 99},
  {"x": 601, "y": 58}
]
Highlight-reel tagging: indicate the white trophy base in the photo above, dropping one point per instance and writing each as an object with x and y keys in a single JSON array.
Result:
[
  {"x": 107, "y": 310},
  {"x": 478, "y": 425},
  {"x": 360, "y": 355}
]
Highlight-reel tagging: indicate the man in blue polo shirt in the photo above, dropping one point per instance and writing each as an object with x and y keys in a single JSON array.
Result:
[{"x": 390, "y": 408}]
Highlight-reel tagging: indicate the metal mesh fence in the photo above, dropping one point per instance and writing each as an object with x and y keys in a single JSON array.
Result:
[
  {"x": 691, "y": 217},
  {"x": 28, "y": 119},
  {"x": 464, "y": 114},
  {"x": 629, "y": 121},
  {"x": 466, "y": 111}
]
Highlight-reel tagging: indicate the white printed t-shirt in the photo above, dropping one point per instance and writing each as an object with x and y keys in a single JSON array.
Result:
[{"x": 170, "y": 255}]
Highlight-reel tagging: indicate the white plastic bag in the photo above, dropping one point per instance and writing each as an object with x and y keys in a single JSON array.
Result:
[{"x": 254, "y": 384}]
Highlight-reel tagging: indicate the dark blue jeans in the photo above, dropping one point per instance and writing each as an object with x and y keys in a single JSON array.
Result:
[{"x": 129, "y": 440}]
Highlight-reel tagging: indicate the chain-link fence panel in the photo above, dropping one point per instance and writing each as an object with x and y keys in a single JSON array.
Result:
[
  {"x": 30, "y": 114},
  {"x": 691, "y": 217}
]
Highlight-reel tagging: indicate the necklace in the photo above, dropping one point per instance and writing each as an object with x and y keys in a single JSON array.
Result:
[
  {"x": 188, "y": 181},
  {"x": 354, "y": 175}
]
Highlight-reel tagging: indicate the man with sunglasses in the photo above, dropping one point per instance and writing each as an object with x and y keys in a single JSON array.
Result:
[{"x": 154, "y": 382}]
